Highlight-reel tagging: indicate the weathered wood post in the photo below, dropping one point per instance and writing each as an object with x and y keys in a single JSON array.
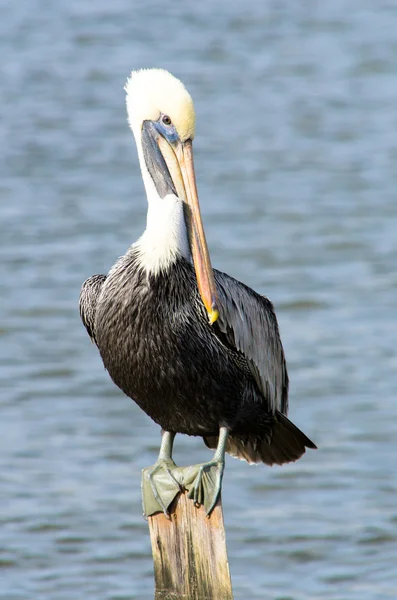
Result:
[{"x": 189, "y": 553}]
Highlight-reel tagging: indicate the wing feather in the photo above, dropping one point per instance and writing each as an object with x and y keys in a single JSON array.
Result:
[
  {"x": 249, "y": 323},
  {"x": 89, "y": 294}
]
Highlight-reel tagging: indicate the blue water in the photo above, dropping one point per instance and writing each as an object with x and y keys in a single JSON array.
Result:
[{"x": 296, "y": 160}]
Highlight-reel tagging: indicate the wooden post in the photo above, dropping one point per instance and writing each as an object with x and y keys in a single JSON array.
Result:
[{"x": 189, "y": 553}]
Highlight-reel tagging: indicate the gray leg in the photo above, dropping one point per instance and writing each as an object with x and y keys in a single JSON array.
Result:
[
  {"x": 204, "y": 482},
  {"x": 162, "y": 482},
  {"x": 167, "y": 443},
  {"x": 159, "y": 485}
]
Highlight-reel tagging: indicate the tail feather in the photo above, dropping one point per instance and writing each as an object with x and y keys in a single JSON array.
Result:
[{"x": 286, "y": 443}]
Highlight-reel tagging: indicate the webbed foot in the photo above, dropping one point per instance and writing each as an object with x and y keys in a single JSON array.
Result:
[
  {"x": 159, "y": 486},
  {"x": 203, "y": 483},
  {"x": 162, "y": 482}
]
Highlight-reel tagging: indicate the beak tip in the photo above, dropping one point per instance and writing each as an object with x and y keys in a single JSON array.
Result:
[{"x": 213, "y": 315}]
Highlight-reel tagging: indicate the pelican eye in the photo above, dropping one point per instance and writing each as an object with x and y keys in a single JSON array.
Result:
[{"x": 166, "y": 120}]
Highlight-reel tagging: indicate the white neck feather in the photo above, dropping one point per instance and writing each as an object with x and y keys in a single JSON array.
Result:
[{"x": 165, "y": 237}]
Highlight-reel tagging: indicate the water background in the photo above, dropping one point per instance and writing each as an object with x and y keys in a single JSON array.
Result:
[{"x": 296, "y": 160}]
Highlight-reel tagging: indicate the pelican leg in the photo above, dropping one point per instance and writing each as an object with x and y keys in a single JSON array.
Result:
[
  {"x": 204, "y": 482},
  {"x": 159, "y": 485}
]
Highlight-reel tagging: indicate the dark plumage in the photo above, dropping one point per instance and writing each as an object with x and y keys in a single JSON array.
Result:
[{"x": 191, "y": 377}]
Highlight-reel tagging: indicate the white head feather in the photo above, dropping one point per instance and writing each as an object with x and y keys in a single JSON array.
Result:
[{"x": 150, "y": 93}]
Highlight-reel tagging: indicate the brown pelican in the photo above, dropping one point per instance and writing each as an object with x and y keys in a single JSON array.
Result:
[{"x": 197, "y": 350}]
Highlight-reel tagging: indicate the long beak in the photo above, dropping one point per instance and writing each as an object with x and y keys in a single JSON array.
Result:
[
  {"x": 178, "y": 157},
  {"x": 201, "y": 257},
  {"x": 171, "y": 166}
]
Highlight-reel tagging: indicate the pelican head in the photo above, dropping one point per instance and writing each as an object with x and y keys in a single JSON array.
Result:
[{"x": 162, "y": 117}]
